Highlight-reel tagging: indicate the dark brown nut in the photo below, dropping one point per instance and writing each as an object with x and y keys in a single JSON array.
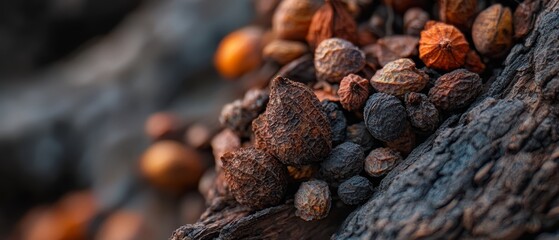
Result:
[
  {"x": 414, "y": 21},
  {"x": 225, "y": 141},
  {"x": 238, "y": 115},
  {"x": 385, "y": 117},
  {"x": 345, "y": 161},
  {"x": 239, "y": 52},
  {"x": 423, "y": 114},
  {"x": 442, "y": 46},
  {"x": 405, "y": 143},
  {"x": 294, "y": 129},
  {"x": 492, "y": 31},
  {"x": 456, "y": 89},
  {"x": 524, "y": 17},
  {"x": 457, "y": 12},
  {"x": 162, "y": 125},
  {"x": 302, "y": 173},
  {"x": 292, "y": 18},
  {"x": 399, "y": 77},
  {"x": 300, "y": 69},
  {"x": 391, "y": 48},
  {"x": 332, "y": 20},
  {"x": 401, "y": 6},
  {"x": 284, "y": 51},
  {"x": 355, "y": 190},
  {"x": 337, "y": 120},
  {"x": 380, "y": 161},
  {"x": 358, "y": 133},
  {"x": 365, "y": 35},
  {"x": 255, "y": 178},
  {"x": 335, "y": 58},
  {"x": 473, "y": 62},
  {"x": 353, "y": 92},
  {"x": 313, "y": 200}
]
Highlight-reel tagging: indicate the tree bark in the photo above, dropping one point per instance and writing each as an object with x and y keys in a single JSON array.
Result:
[{"x": 490, "y": 173}]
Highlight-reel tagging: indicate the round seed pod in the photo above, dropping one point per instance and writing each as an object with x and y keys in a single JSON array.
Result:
[
  {"x": 414, "y": 21},
  {"x": 337, "y": 120},
  {"x": 457, "y": 12},
  {"x": 405, "y": 143},
  {"x": 292, "y": 18},
  {"x": 353, "y": 92},
  {"x": 423, "y": 114},
  {"x": 456, "y": 89},
  {"x": 380, "y": 161},
  {"x": 238, "y": 115},
  {"x": 254, "y": 177},
  {"x": 345, "y": 160},
  {"x": 442, "y": 46},
  {"x": 335, "y": 58},
  {"x": 399, "y": 77},
  {"x": 284, "y": 51},
  {"x": 313, "y": 200},
  {"x": 355, "y": 190},
  {"x": 385, "y": 117},
  {"x": 492, "y": 31}
]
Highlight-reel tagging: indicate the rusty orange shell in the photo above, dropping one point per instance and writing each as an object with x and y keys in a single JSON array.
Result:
[{"x": 442, "y": 46}]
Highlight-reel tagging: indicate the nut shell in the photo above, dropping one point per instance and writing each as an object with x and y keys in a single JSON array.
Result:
[
  {"x": 423, "y": 115},
  {"x": 414, "y": 21},
  {"x": 385, "y": 117},
  {"x": 380, "y": 161},
  {"x": 292, "y": 18},
  {"x": 345, "y": 161},
  {"x": 355, "y": 190},
  {"x": 456, "y": 89},
  {"x": 399, "y": 77},
  {"x": 313, "y": 200},
  {"x": 353, "y": 92},
  {"x": 492, "y": 31},
  {"x": 457, "y": 12},
  {"x": 442, "y": 46},
  {"x": 284, "y": 51},
  {"x": 335, "y": 58},
  {"x": 332, "y": 20},
  {"x": 338, "y": 122}
]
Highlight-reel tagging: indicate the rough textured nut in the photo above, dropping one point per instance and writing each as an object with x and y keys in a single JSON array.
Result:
[
  {"x": 337, "y": 121},
  {"x": 239, "y": 52},
  {"x": 380, "y": 161},
  {"x": 442, "y": 46},
  {"x": 492, "y": 31},
  {"x": 423, "y": 114},
  {"x": 414, "y": 21},
  {"x": 353, "y": 92},
  {"x": 284, "y": 51},
  {"x": 294, "y": 129},
  {"x": 239, "y": 114},
  {"x": 302, "y": 173},
  {"x": 399, "y": 77},
  {"x": 392, "y": 48},
  {"x": 358, "y": 133},
  {"x": 385, "y": 117},
  {"x": 335, "y": 58},
  {"x": 292, "y": 18},
  {"x": 313, "y": 200},
  {"x": 524, "y": 17},
  {"x": 332, "y": 20},
  {"x": 456, "y": 89},
  {"x": 365, "y": 35},
  {"x": 355, "y": 190},
  {"x": 345, "y": 161},
  {"x": 255, "y": 178},
  {"x": 473, "y": 62},
  {"x": 225, "y": 141},
  {"x": 457, "y": 12},
  {"x": 405, "y": 143}
]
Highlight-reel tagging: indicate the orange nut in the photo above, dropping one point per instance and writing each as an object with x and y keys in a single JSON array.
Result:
[{"x": 239, "y": 52}]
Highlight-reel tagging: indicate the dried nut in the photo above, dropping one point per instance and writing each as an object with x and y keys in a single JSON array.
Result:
[
  {"x": 401, "y": 6},
  {"x": 292, "y": 18},
  {"x": 385, "y": 117},
  {"x": 337, "y": 121},
  {"x": 294, "y": 129},
  {"x": 302, "y": 173},
  {"x": 300, "y": 69},
  {"x": 358, "y": 133},
  {"x": 313, "y": 200},
  {"x": 405, "y": 143},
  {"x": 473, "y": 62},
  {"x": 284, "y": 51},
  {"x": 492, "y": 31},
  {"x": 377, "y": 24},
  {"x": 124, "y": 225},
  {"x": 171, "y": 166},
  {"x": 162, "y": 125},
  {"x": 355, "y": 190},
  {"x": 335, "y": 58},
  {"x": 524, "y": 17},
  {"x": 365, "y": 35},
  {"x": 399, "y": 77},
  {"x": 442, "y": 46},
  {"x": 456, "y": 89},
  {"x": 239, "y": 52},
  {"x": 255, "y": 178},
  {"x": 332, "y": 20},
  {"x": 423, "y": 114},
  {"x": 238, "y": 115},
  {"x": 225, "y": 141},
  {"x": 353, "y": 92},
  {"x": 392, "y": 48},
  {"x": 380, "y": 161},
  {"x": 414, "y": 21},
  {"x": 457, "y": 12},
  {"x": 345, "y": 161}
]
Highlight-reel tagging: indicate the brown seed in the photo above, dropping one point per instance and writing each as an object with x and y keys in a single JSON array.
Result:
[
  {"x": 335, "y": 58},
  {"x": 405, "y": 143},
  {"x": 442, "y": 46},
  {"x": 292, "y": 18},
  {"x": 294, "y": 129},
  {"x": 239, "y": 52},
  {"x": 358, "y": 133},
  {"x": 353, "y": 92},
  {"x": 423, "y": 114},
  {"x": 380, "y": 161},
  {"x": 394, "y": 47},
  {"x": 473, "y": 62},
  {"x": 238, "y": 115},
  {"x": 225, "y": 141},
  {"x": 365, "y": 35},
  {"x": 301, "y": 173},
  {"x": 399, "y": 77},
  {"x": 457, "y": 12},
  {"x": 284, "y": 51},
  {"x": 313, "y": 200},
  {"x": 345, "y": 161},
  {"x": 300, "y": 69},
  {"x": 492, "y": 31},
  {"x": 524, "y": 17},
  {"x": 255, "y": 178},
  {"x": 401, "y": 6},
  {"x": 456, "y": 89},
  {"x": 385, "y": 117},
  {"x": 414, "y": 21},
  {"x": 332, "y": 20}
]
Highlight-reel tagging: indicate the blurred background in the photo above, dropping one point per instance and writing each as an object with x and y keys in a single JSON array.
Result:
[{"x": 88, "y": 89}]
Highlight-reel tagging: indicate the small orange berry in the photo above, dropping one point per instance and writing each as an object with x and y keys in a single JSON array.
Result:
[{"x": 442, "y": 46}]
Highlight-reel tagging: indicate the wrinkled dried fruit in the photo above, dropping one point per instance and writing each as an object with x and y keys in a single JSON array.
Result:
[
  {"x": 492, "y": 31},
  {"x": 358, "y": 133},
  {"x": 355, "y": 190},
  {"x": 405, "y": 143},
  {"x": 394, "y": 47},
  {"x": 345, "y": 161},
  {"x": 337, "y": 121},
  {"x": 255, "y": 178},
  {"x": 335, "y": 58},
  {"x": 423, "y": 114},
  {"x": 239, "y": 52},
  {"x": 456, "y": 89},
  {"x": 523, "y": 19},
  {"x": 353, "y": 92},
  {"x": 380, "y": 161},
  {"x": 399, "y": 77},
  {"x": 239, "y": 114},
  {"x": 294, "y": 129},
  {"x": 457, "y": 12},
  {"x": 302, "y": 173},
  {"x": 284, "y": 51},
  {"x": 332, "y": 20},
  {"x": 385, "y": 117},
  {"x": 225, "y": 141},
  {"x": 473, "y": 62},
  {"x": 442, "y": 46},
  {"x": 414, "y": 21},
  {"x": 313, "y": 200},
  {"x": 292, "y": 18}
]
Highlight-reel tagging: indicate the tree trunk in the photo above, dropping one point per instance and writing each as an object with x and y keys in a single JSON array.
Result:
[{"x": 491, "y": 172}]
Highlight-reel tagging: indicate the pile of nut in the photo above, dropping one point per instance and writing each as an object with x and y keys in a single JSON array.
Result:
[{"x": 361, "y": 84}]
